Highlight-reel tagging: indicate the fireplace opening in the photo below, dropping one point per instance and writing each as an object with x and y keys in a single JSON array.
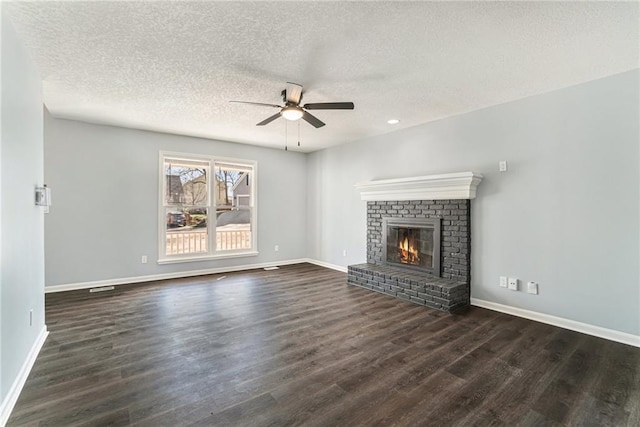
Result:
[{"x": 412, "y": 243}]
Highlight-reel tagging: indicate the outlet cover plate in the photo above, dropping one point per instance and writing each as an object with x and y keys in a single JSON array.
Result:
[
  {"x": 513, "y": 283},
  {"x": 532, "y": 288},
  {"x": 503, "y": 281}
]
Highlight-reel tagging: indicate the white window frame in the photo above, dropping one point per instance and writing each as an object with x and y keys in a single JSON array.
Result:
[{"x": 213, "y": 252}]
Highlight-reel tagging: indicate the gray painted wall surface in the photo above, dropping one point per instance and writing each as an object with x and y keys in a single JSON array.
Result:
[
  {"x": 2, "y": 395},
  {"x": 104, "y": 183},
  {"x": 566, "y": 214},
  {"x": 22, "y": 224}
]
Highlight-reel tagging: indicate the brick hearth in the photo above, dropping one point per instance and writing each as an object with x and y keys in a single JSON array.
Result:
[{"x": 417, "y": 287}]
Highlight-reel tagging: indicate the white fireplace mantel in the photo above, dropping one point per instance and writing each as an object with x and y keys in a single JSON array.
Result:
[{"x": 460, "y": 185}]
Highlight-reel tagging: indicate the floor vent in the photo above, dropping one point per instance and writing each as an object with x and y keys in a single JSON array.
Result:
[{"x": 102, "y": 289}]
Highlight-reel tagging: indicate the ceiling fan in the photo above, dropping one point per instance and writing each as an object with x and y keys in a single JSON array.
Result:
[{"x": 292, "y": 110}]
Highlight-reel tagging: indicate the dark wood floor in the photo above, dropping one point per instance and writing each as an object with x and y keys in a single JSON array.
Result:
[{"x": 298, "y": 346}]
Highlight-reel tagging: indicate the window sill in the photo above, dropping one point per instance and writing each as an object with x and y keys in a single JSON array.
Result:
[{"x": 177, "y": 260}]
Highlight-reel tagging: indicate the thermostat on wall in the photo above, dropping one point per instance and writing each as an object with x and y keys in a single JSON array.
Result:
[{"x": 43, "y": 196}]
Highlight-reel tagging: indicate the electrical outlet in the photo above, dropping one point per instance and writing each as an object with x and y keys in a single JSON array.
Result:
[
  {"x": 344, "y": 252},
  {"x": 513, "y": 283},
  {"x": 143, "y": 260},
  {"x": 532, "y": 288},
  {"x": 276, "y": 248},
  {"x": 502, "y": 166},
  {"x": 503, "y": 281}
]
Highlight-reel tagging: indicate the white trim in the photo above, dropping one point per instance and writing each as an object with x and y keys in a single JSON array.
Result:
[
  {"x": 460, "y": 185},
  {"x": 16, "y": 388},
  {"x": 165, "y": 276},
  {"x": 177, "y": 259},
  {"x": 327, "y": 265},
  {"x": 597, "y": 331}
]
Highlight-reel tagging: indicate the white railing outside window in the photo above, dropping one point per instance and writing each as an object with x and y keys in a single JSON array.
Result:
[{"x": 188, "y": 242}]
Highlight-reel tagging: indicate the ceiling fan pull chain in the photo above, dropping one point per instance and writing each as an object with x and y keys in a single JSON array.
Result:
[
  {"x": 285, "y": 136},
  {"x": 298, "y": 133}
]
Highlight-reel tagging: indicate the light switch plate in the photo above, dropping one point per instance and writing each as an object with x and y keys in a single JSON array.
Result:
[
  {"x": 513, "y": 283},
  {"x": 503, "y": 281}
]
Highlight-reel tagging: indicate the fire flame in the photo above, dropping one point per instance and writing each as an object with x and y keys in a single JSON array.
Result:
[{"x": 408, "y": 253}]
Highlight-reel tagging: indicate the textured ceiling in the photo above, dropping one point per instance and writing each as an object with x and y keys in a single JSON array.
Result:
[{"x": 173, "y": 66}]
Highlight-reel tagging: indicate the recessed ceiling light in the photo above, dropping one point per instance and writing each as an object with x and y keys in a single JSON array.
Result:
[{"x": 393, "y": 121}]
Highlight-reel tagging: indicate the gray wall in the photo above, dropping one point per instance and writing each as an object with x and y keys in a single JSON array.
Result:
[
  {"x": 566, "y": 214},
  {"x": 104, "y": 183},
  {"x": 21, "y": 223}
]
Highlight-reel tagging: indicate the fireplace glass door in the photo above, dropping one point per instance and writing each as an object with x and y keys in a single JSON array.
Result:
[{"x": 414, "y": 244}]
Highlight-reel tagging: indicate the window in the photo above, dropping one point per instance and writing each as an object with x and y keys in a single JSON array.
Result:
[{"x": 207, "y": 208}]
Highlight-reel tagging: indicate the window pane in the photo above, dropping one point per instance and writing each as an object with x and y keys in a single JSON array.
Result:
[
  {"x": 186, "y": 182},
  {"x": 186, "y": 231},
  {"x": 233, "y": 206}
]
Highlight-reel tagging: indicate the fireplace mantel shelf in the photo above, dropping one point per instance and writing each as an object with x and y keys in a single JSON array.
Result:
[{"x": 460, "y": 185}]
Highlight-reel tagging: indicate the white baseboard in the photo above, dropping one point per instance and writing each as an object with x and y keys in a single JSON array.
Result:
[
  {"x": 326, "y": 265},
  {"x": 176, "y": 275},
  {"x": 14, "y": 392},
  {"x": 597, "y": 331},
  {"x": 181, "y": 274}
]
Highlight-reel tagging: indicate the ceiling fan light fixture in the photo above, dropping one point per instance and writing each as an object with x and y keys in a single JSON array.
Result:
[{"x": 292, "y": 113}]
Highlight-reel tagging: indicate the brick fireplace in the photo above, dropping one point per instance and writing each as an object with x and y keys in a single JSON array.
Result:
[{"x": 425, "y": 211}]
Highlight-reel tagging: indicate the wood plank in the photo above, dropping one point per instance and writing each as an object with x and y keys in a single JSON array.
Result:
[{"x": 299, "y": 346}]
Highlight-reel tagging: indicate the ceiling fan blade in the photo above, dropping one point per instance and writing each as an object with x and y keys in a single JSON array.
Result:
[
  {"x": 312, "y": 120},
  {"x": 293, "y": 93},
  {"x": 257, "y": 103},
  {"x": 329, "y": 106},
  {"x": 268, "y": 120}
]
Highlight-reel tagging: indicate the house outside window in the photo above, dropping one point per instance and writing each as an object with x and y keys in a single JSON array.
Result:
[{"x": 207, "y": 208}]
